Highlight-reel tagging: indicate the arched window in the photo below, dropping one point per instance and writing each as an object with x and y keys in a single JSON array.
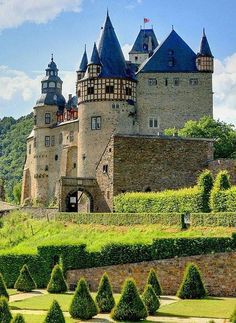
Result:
[{"x": 52, "y": 84}]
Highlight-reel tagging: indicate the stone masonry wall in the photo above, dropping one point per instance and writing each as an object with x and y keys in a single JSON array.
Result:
[
  {"x": 224, "y": 164},
  {"x": 218, "y": 271}
]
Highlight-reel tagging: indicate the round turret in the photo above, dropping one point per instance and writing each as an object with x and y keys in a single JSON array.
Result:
[{"x": 205, "y": 59}]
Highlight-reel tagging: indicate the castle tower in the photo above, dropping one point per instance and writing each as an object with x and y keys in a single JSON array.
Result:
[
  {"x": 205, "y": 59},
  {"x": 106, "y": 98},
  {"x": 83, "y": 66},
  {"x": 143, "y": 47}
]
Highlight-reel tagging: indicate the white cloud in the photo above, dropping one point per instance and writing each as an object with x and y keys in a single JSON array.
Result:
[
  {"x": 126, "y": 48},
  {"x": 224, "y": 87},
  {"x": 13, "y": 13}
]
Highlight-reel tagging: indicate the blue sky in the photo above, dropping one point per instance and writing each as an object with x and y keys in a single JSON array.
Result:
[{"x": 32, "y": 30}]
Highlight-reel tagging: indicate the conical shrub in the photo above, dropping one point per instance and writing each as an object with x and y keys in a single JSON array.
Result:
[
  {"x": 192, "y": 286},
  {"x": 5, "y": 314},
  {"x": 233, "y": 316},
  {"x": 154, "y": 282},
  {"x": 83, "y": 306},
  {"x": 55, "y": 314},
  {"x": 104, "y": 297},
  {"x": 19, "y": 319},
  {"x": 3, "y": 288},
  {"x": 57, "y": 283},
  {"x": 150, "y": 300},
  {"x": 25, "y": 282},
  {"x": 130, "y": 306}
]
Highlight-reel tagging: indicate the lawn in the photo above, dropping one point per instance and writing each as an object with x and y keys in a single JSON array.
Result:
[
  {"x": 12, "y": 292},
  {"x": 21, "y": 234},
  {"x": 40, "y": 318},
  {"x": 210, "y": 307}
]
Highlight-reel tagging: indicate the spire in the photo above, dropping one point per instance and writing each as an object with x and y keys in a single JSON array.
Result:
[
  {"x": 204, "y": 46},
  {"x": 110, "y": 52},
  {"x": 95, "y": 59},
  {"x": 84, "y": 62}
]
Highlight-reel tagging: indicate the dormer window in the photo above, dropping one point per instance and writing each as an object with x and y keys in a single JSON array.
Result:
[
  {"x": 51, "y": 73},
  {"x": 171, "y": 62},
  {"x": 170, "y": 52},
  {"x": 52, "y": 84},
  {"x": 45, "y": 85}
]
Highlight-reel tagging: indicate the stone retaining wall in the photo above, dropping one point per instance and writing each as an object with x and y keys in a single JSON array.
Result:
[{"x": 218, "y": 271}]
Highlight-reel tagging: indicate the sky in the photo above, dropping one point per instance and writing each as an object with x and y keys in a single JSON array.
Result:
[{"x": 31, "y": 30}]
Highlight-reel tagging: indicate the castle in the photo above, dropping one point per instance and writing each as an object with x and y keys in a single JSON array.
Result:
[{"x": 109, "y": 138}]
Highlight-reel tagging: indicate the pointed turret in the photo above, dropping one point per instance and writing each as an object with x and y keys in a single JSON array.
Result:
[
  {"x": 83, "y": 66},
  {"x": 94, "y": 65},
  {"x": 205, "y": 58},
  {"x": 95, "y": 59}
]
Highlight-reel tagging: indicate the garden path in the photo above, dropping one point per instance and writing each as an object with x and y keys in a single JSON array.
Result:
[{"x": 22, "y": 296}]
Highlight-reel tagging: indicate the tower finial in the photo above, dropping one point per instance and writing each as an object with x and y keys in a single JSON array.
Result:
[
  {"x": 203, "y": 32},
  {"x": 107, "y": 12},
  {"x": 52, "y": 57},
  {"x": 172, "y": 27}
]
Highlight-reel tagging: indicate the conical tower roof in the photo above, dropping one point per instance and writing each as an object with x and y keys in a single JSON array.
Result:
[
  {"x": 95, "y": 59},
  {"x": 84, "y": 62},
  {"x": 204, "y": 46},
  {"x": 141, "y": 44},
  {"x": 110, "y": 53}
]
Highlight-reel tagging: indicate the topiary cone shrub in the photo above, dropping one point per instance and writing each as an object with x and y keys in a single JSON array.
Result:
[
  {"x": 104, "y": 297},
  {"x": 3, "y": 288},
  {"x": 5, "y": 314},
  {"x": 205, "y": 184},
  {"x": 233, "y": 316},
  {"x": 150, "y": 300},
  {"x": 192, "y": 286},
  {"x": 83, "y": 306},
  {"x": 19, "y": 319},
  {"x": 55, "y": 314},
  {"x": 57, "y": 283},
  {"x": 25, "y": 282},
  {"x": 130, "y": 306},
  {"x": 154, "y": 282},
  {"x": 218, "y": 198}
]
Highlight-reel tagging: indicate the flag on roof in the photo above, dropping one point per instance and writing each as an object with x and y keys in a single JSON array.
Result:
[{"x": 145, "y": 20}]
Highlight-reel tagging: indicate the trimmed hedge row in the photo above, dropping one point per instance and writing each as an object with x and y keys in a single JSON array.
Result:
[
  {"x": 121, "y": 218},
  {"x": 224, "y": 219},
  {"x": 180, "y": 201},
  {"x": 224, "y": 200}
]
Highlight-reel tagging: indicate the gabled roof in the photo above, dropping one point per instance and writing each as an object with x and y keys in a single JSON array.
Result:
[
  {"x": 110, "y": 53},
  {"x": 146, "y": 37},
  {"x": 204, "y": 46},
  {"x": 95, "y": 59},
  {"x": 84, "y": 62},
  {"x": 173, "y": 55}
]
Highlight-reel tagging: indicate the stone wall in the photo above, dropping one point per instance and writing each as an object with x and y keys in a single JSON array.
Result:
[
  {"x": 218, "y": 271},
  {"x": 224, "y": 164}
]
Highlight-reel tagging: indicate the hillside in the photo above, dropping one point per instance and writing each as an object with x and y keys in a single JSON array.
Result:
[{"x": 13, "y": 134}]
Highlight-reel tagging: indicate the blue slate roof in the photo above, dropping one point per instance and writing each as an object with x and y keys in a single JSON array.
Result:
[
  {"x": 95, "y": 59},
  {"x": 173, "y": 55},
  {"x": 84, "y": 62},
  {"x": 204, "y": 46},
  {"x": 51, "y": 98},
  {"x": 110, "y": 53},
  {"x": 142, "y": 41}
]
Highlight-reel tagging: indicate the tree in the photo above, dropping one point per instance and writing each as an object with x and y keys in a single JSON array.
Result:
[
  {"x": 130, "y": 306},
  {"x": 223, "y": 133},
  {"x": 3, "y": 288},
  {"x": 5, "y": 314},
  {"x": 192, "y": 286},
  {"x": 154, "y": 282},
  {"x": 57, "y": 283},
  {"x": 25, "y": 282},
  {"x": 83, "y": 306},
  {"x": 233, "y": 316},
  {"x": 55, "y": 314},
  {"x": 19, "y": 319},
  {"x": 104, "y": 297},
  {"x": 17, "y": 193},
  {"x": 150, "y": 300}
]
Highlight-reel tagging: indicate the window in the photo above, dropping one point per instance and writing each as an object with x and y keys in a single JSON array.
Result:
[
  {"x": 79, "y": 93},
  {"x": 96, "y": 123},
  {"x": 136, "y": 58},
  {"x": 35, "y": 120},
  {"x": 193, "y": 81},
  {"x": 170, "y": 52},
  {"x": 56, "y": 157},
  {"x": 199, "y": 61},
  {"x": 53, "y": 141},
  {"x": 74, "y": 165},
  {"x": 58, "y": 85},
  {"x": 166, "y": 82},
  {"x": 35, "y": 142},
  {"x": 152, "y": 82},
  {"x": 90, "y": 90},
  {"x": 171, "y": 62},
  {"x": 46, "y": 168},
  {"x": 176, "y": 81},
  {"x": 51, "y": 73},
  {"x": 105, "y": 169},
  {"x": 98, "y": 69},
  {"x": 52, "y": 84},
  {"x": 60, "y": 138},
  {"x": 153, "y": 123},
  {"x": 71, "y": 136},
  {"x": 47, "y": 141},
  {"x": 109, "y": 88},
  {"x": 128, "y": 91},
  {"x": 47, "y": 118},
  {"x": 29, "y": 149},
  {"x": 45, "y": 85}
]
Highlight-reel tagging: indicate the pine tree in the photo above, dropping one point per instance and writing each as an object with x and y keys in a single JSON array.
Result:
[
  {"x": 55, "y": 314},
  {"x": 150, "y": 300},
  {"x": 104, "y": 297},
  {"x": 19, "y": 319},
  {"x": 192, "y": 286},
  {"x": 57, "y": 283},
  {"x": 83, "y": 306},
  {"x": 3, "y": 288},
  {"x": 25, "y": 282},
  {"x": 233, "y": 316},
  {"x": 154, "y": 282},
  {"x": 130, "y": 306},
  {"x": 5, "y": 314}
]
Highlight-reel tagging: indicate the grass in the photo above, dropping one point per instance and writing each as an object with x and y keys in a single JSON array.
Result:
[
  {"x": 210, "y": 307},
  {"x": 32, "y": 318},
  {"x": 12, "y": 292},
  {"x": 21, "y": 234}
]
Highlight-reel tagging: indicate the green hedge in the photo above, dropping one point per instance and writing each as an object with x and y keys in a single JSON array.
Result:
[
  {"x": 183, "y": 200},
  {"x": 121, "y": 218},
  {"x": 224, "y": 219},
  {"x": 224, "y": 200}
]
